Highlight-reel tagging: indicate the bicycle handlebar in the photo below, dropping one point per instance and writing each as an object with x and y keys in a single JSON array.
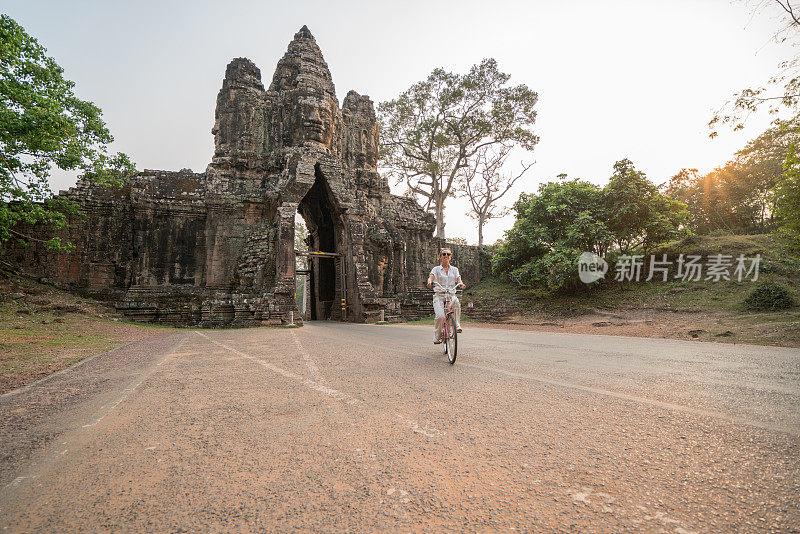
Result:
[{"x": 439, "y": 288}]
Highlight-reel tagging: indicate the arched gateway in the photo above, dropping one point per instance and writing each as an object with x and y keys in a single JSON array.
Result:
[{"x": 217, "y": 248}]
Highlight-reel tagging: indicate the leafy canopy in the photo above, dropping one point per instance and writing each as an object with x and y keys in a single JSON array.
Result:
[
  {"x": 639, "y": 216},
  {"x": 550, "y": 230},
  {"x": 788, "y": 201},
  {"x": 42, "y": 124},
  {"x": 739, "y": 196}
]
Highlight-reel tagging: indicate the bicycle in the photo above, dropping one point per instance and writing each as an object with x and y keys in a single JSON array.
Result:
[{"x": 449, "y": 332}]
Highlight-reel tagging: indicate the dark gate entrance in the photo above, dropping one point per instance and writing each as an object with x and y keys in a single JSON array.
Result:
[
  {"x": 326, "y": 300},
  {"x": 326, "y": 262}
]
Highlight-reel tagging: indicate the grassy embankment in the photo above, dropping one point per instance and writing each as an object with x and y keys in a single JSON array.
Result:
[
  {"x": 43, "y": 330},
  {"x": 704, "y": 310}
]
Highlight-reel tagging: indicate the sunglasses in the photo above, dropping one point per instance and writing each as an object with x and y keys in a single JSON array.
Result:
[{"x": 446, "y": 254}]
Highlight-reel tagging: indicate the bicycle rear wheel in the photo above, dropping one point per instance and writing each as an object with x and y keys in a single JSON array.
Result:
[{"x": 452, "y": 339}]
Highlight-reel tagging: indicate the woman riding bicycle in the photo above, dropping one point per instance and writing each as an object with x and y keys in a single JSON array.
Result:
[{"x": 447, "y": 276}]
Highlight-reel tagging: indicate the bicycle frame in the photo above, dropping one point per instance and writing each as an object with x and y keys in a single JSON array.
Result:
[
  {"x": 449, "y": 293},
  {"x": 448, "y": 330}
]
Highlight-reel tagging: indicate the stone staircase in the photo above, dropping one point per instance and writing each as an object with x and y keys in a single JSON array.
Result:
[
  {"x": 418, "y": 304},
  {"x": 492, "y": 310}
]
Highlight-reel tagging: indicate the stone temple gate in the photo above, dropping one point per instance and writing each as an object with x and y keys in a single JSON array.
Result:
[{"x": 217, "y": 248}]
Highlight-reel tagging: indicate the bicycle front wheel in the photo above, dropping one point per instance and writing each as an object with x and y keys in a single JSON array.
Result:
[{"x": 452, "y": 339}]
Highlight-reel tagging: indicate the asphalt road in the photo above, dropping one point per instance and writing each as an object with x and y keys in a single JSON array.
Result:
[{"x": 343, "y": 427}]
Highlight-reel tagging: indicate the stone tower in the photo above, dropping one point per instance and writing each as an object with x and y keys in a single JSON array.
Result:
[{"x": 217, "y": 248}]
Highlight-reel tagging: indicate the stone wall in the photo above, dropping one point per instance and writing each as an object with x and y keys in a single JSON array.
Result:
[{"x": 473, "y": 262}]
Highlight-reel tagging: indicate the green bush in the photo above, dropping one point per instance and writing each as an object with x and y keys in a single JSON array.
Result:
[
  {"x": 770, "y": 296},
  {"x": 566, "y": 217}
]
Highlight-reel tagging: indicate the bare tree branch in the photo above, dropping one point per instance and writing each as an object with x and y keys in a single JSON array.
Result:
[
  {"x": 736, "y": 111},
  {"x": 484, "y": 183},
  {"x": 788, "y": 8}
]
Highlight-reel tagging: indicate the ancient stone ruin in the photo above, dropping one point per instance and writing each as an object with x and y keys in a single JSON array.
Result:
[{"x": 217, "y": 248}]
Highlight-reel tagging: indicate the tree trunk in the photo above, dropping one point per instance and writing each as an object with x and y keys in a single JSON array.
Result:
[
  {"x": 439, "y": 225},
  {"x": 481, "y": 221},
  {"x": 439, "y": 212}
]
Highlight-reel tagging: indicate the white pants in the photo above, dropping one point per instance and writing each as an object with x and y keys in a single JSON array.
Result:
[{"x": 438, "y": 308}]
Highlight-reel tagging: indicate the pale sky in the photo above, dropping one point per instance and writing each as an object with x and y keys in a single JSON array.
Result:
[{"x": 637, "y": 79}]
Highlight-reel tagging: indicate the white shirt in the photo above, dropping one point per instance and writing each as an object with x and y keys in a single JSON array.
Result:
[{"x": 446, "y": 278}]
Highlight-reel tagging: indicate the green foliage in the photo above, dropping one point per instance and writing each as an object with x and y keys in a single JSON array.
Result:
[
  {"x": 638, "y": 215},
  {"x": 300, "y": 243},
  {"x": 42, "y": 123},
  {"x": 432, "y": 131},
  {"x": 567, "y": 217},
  {"x": 767, "y": 296},
  {"x": 550, "y": 230},
  {"x": 738, "y": 197},
  {"x": 787, "y": 205}
]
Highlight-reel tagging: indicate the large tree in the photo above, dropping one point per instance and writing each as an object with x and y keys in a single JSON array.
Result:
[
  {"x": 639, "y": 216},
  {"x": 43, "y": 124},
  {"x": 486, "y": 182},
  {"x": 431, "y": 132},
  {"x": 551, "y": 229}
]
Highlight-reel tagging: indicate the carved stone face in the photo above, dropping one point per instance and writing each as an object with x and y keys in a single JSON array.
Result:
[{"x": 314, "y": 118}]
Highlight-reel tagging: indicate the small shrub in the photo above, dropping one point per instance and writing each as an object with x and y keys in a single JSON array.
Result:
[
  {"x": 770, "y": 296},
  {"x": 768, "y": 267}
]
